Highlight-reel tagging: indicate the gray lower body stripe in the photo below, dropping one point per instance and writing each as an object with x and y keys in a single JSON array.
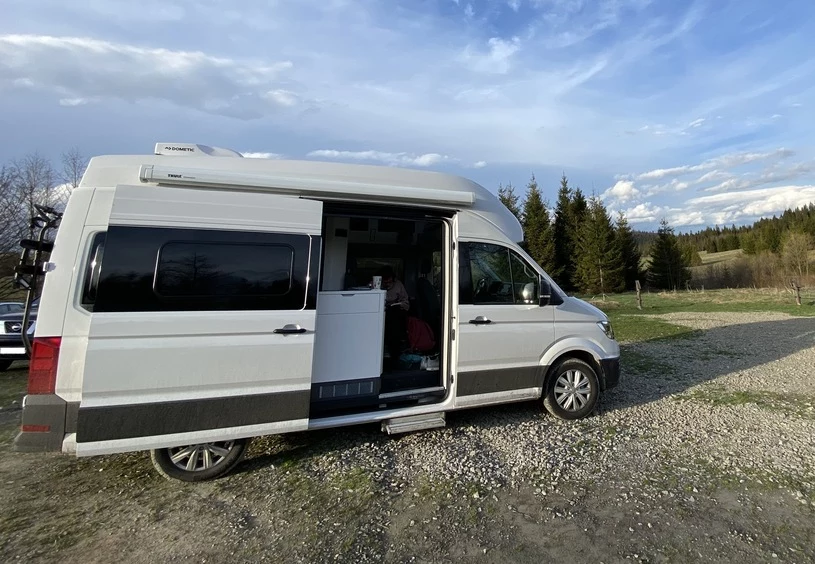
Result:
[
  {"x": 503, "y": 380},
  {"x": 164, "y": 418}
]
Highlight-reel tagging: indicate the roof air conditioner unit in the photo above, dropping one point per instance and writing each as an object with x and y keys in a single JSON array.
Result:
[{"x": 194, "y": 150}]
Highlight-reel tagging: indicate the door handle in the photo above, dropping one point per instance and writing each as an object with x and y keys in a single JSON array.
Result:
[
  {"x": 290, "y": 329},
  {"x": 480, "y": 320}
]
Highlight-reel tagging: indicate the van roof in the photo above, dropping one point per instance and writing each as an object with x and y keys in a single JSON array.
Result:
[{"x": 316, "y": 179}]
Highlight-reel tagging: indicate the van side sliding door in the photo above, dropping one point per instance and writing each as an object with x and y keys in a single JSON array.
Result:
[{"x": 202, "y": 306}]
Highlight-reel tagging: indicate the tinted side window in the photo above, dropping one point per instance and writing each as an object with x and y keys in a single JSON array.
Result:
[
  {"x": 164, "y": 269},
  {"x": 92, "y": 270},
  {"x": 195, "y": 270}
]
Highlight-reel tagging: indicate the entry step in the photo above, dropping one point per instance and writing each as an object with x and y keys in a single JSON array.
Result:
[{"x": 414, "y": 423}]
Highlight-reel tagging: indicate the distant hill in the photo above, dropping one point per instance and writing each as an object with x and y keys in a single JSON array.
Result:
[{"x": 766, "y": 234}]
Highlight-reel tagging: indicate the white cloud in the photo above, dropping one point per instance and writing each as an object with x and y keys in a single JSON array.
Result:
[
  {"x": 281, "y": 97},
  {"x": 80, "y": 69},
  {"x": 251, "y": 155},
  {"x": 758, "y": 202},
  {"x": 393, "y": 159},
  {"x": 644, "y": 213},
  {"x": 480, "y": 164},
  {"x": 73, "y": 101},
  {"x": 498, "y": 57},
  {"x": 736, "y": 181},
  {"x": 712, "y": 176},
  {"x": 622, "y": 191},
  {"x": 675, "y": 185},
  {"x": 697, "y": 122},
  {"x": 660, "y": 173},
  {"x": 725, "y": 161},
  {"x": 514, "y": 4},
  {"x": 687, "y": 218}
]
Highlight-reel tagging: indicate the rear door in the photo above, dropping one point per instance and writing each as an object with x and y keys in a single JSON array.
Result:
[{"x": 202, "y": 311}]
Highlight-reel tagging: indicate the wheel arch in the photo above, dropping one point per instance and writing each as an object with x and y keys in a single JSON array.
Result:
[{"x": 578, "y": 349}]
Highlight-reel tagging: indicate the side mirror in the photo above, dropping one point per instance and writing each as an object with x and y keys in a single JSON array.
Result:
[{"x": 545, "y": 293}]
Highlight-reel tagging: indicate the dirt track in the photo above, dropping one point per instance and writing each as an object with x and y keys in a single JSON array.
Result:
[{"x": 704, "y": 452}]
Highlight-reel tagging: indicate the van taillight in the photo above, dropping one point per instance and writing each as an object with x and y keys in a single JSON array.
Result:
[{"x": 42, "y": 369}]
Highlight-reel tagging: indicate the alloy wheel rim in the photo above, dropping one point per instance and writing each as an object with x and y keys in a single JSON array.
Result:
[
  {"x": 572, "y": 390},
  {"x": 201, "y": 457}
]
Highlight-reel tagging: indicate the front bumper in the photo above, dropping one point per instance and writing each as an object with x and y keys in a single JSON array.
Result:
[
  {"x": 12, "y": 347},
  {"x": 611, "y": 372}
]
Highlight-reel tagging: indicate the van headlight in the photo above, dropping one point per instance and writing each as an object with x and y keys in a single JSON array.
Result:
[{"x": 605, "y": 326}]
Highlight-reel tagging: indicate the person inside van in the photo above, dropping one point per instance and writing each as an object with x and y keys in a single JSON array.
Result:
[{"x": 397, "y": 304}]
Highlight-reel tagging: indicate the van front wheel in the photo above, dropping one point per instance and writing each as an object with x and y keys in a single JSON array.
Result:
[
  {"x": 573, "y": 390},
  {"x": 196, "y": 463}
]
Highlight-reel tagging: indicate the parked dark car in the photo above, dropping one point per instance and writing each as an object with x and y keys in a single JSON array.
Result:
[{"x": 11, "y": 339}]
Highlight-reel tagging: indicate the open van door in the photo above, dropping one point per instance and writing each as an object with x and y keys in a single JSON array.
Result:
[{"x": 202, "y": 307}]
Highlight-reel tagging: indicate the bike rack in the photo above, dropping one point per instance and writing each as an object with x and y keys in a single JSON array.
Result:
[{"x": 32, "y": 265}]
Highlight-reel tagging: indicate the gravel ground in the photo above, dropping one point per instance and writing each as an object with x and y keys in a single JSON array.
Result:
[{"x": 704, "y": 451}]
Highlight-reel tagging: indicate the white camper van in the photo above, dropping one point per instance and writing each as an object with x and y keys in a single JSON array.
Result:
[{"x": 195, "y": 299}]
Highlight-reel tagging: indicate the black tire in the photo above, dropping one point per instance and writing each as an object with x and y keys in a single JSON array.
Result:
[
  {"x": 5, "y": 364},
  {"x": 228, "y": 453},
  {"x": 573, "y": 390}
]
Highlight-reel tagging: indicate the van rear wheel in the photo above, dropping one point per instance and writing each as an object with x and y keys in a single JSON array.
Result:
[
  {"x": 573, "y": 390},
  {"x": 196, "y": 463}
]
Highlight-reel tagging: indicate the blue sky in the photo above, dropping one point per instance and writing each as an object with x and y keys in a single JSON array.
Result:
[{"x": 700, "y": 111}]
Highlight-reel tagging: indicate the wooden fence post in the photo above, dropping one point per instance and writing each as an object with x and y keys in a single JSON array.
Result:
[
  {"x": 639, "y": 294},
  {"x": 797, "y": 289}
]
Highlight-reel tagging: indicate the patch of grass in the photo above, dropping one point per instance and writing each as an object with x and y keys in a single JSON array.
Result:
[
  {"x": 758, "y": 480},
  {"x": 797, "y": 404},
  {"x": 8, "y": 431},
  {"x": 712, "y": 354},
  {"x": 348, "y": 495},
  {"x": 734, "y": 300},
  {"x": 629, "y": 328},
  {"x": 19, "y": 526},
  {"x": 13, "y": 385},
  {"x": 640, "y": 363},
  {"x": 723, "y": 256}
]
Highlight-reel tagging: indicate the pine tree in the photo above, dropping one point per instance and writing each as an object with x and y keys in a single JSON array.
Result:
[
  {"x": 538, "y": 228},
  {"x": 711, "y": 246},
  {"x": 690, "y": 255},
  {"x": 561, "y": 269},
  {"x": 599, "y": 266},
  {"x": 629, "y": 252},
  {"x": 578, "y": 214},
  {"x": 510, "y": 199},
  {"x": 668, "y": 270}
]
